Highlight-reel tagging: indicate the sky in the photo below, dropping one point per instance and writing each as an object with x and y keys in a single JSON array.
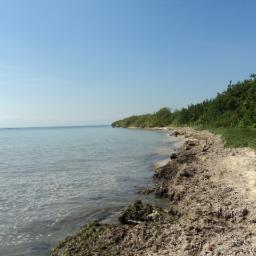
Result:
[{"x": 84, "y": 62}]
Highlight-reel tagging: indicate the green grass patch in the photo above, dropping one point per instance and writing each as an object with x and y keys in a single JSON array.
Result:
[{"x": 237, "y": 137}]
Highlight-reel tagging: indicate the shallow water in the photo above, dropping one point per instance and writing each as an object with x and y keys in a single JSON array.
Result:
[{"x": 54, "y": 180}]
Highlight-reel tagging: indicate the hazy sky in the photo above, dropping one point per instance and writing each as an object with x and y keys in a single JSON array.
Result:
[{"x": 91, "y": 62}]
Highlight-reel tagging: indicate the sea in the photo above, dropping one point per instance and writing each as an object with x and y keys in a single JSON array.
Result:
[{"x": 54, "y": 180}]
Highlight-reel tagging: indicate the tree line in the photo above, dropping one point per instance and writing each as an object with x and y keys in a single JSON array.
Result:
[{"x": 235, "y": 107}]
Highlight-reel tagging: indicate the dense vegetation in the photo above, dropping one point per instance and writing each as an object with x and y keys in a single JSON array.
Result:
[{"x": 235, "y": 107}]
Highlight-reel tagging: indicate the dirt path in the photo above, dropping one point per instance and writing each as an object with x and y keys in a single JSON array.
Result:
[{"x": 212, "y": 209}]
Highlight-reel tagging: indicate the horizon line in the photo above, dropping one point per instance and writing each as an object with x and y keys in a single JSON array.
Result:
[{"x": 54, "y": 126}]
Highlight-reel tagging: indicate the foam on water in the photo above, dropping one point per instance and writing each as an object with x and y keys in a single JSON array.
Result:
[{"x": 54, "y": 180}]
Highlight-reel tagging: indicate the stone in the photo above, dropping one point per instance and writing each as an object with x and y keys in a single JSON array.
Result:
[
  {"x": 136, "y": 213},
  {"x": 173, "y": 156}
]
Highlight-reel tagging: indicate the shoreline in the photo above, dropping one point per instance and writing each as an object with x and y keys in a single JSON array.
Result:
[{"x": 211, "y": 209}]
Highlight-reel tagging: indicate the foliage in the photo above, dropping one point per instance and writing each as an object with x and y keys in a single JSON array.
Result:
[
  {"x": 235, "y": 107},
  {"x": 237, "y": 137},
  {"x": 161, "y": 118}
]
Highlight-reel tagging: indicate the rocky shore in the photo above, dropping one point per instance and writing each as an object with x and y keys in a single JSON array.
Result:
[{"x": 211, "y": 192}]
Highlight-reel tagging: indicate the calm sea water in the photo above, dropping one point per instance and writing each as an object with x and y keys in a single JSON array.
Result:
[{"x": 54, "y": 180}]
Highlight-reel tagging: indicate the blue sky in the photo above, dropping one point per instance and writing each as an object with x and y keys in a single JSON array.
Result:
[{"x": 92, "y": 62}]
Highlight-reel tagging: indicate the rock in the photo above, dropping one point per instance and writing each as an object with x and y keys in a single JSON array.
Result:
[
  {"x": 146, "y": 191},
  {"x": 175, "y": 133},
  {"x": 245, "y": 212},
  {"x": 93, "y": 235},
  {"x": 187, "y": 174},
  {"x": 136, "y": 213},
  {"x": 154, "y": 215},
  {"x": 186, "y": 157},
  {"x": 229, "y": 216},
  {"x": 253, "y": 221},
  {"x": 187, "y": 147},
  {"x": 206, "y": 147},
  {"x": 173, "y": 156},
  {"x": 161, "y": 192},
  {"x": 191, "y": 143}
]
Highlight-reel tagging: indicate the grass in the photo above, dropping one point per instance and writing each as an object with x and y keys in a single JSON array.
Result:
[{"x": 237, "y": 137}]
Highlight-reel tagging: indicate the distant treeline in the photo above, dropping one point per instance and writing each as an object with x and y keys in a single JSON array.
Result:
[{"x": 235, "y": 107}]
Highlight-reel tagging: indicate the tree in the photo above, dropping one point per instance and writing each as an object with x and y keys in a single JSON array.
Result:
[{"x": 253, "y": 76}]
